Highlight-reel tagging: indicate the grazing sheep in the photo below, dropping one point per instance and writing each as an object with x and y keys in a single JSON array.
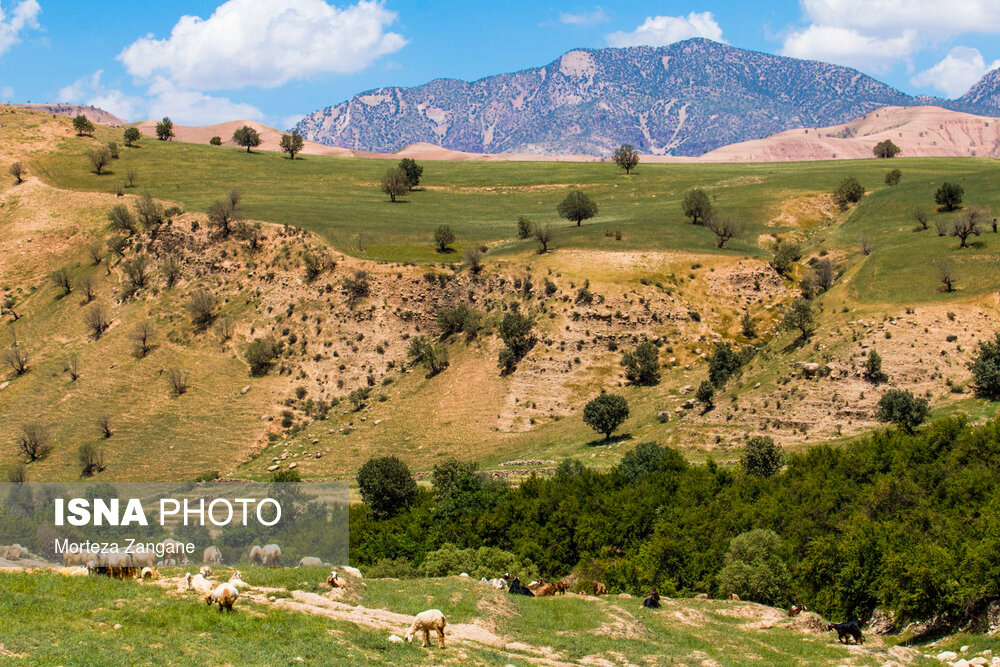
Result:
[
  {"x": 225, "y": 595},
  {"x": 734, "y": 596},
  {"x": 256, "y": 555},
  {"x": 499, "y": 584},
  {"x": 75, "y": 571},
  {"x": 172, "y": 549},
  {"x": 652, "y": 601},
  {"x": 272, "y": 555},
  {"x": 199, "y": 583},
  {"x": 701, "y": 596},
  {"x": 425, "y": 621},
  {"x": 212, "y": 556},
  {"x": 237, "y": 580},
  {"x": 149, "y": 573},
  {"x": 79, "y": 558},
  {"x": 600, "y": 589},
  {"x": 333, "y": 581},
  {"x": 310, "y": 561},
  {"x": 353, "y": 571}
]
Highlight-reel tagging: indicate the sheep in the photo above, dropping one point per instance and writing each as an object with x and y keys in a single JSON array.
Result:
[
  {"x": 353, "y": 571},
  {"x": 499, "y": 584},
  {"x": 310, "y": 561},
  {"x": 205, "y": 571},
  {"x": 256, "y": 555},
  {"x": 225, "y": 595},
  {"x": 172, "y": 549},
  {"x": 272, "y": 555},
  {"x": 75, "y": 571},
  {"x": 425, "y": 621},
  {"x": 149, "y": 572},
  {"x": 600, "y": 589},
  {"x": 80, "y": 558},
  {"x": 333, "y": 581},
  {"x": 237, "y": 580},
  {"x": 701, "y": 596},
  {"x": 199, "y": 583},
  {"x": 212, "y": 556}
]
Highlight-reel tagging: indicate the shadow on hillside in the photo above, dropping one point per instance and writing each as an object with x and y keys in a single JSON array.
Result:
[{"x": 603, "y": 442}]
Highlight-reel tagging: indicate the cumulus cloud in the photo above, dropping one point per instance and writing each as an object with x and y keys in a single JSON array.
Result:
[
  {"x": 91, "y": 90},
  {"x": 954, "y": 75},
  {"x": 24, "y": 17},
  {"x": 845, "y": 46},
  {"x": 593, "y": 17},
  {"x": 6, "y": 93},
  {"x": 663, "y": 30},
  {"x": 264, "y": 43}
]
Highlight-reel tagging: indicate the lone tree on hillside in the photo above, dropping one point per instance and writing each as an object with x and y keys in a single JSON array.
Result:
[
  {"x": 516, "y": 331},
  {"x": 921, "y": 217},
  {"x": 947, "y": 274},
  {"x": 850, "y": 191},
  {"x": 886, "y": 149},
  {"x": 386, "y": 486},
  {"x": 165, "y": 129},
  {"x": 215, "y": 141},
  {"x": 968, "y": 225},
  {"x": 542, "y": 234},
  {"x": 642, "y": 366},
  {"x": 17, "y": 171},
  {"x": 443, "y": 238},
  {"x": 605, "y": 413},
  {"x": 786, "y": 253},
  {"x": 626, "y": 157},
  {"x": 893, "y": 177},
  {"x": 223, "y": 215},
  {"x": 201, "y": 306},
  {"x": 985, "y": 367},
  {"x": 99, "y": 158},
  {"x": 697, "y": 206},
  {"x": 724, "y": 228},
  {"x": 247, "y": 137},
  {"x": 949, "y": 196},
  {"x": 761, "y": 457},
  {"x": 902, "y": 408},
  {"x": 577, "y": 206},
  {"x": 873, "y": 369},
  {"x": 34, "y": 441},
  {"x": 83, "y": 126},
  {"x": 412, "y": 170},
  {"x": 130, "y": 136},
  {"x": 706, "y": 394},
  {"x": 799, "y": 315},
  {"x": 17, "y": 358},
  {"x": 394, "y": 183},
  {"x": 292, "y": 144}
]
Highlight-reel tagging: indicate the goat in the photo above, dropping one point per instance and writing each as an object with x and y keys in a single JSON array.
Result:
[
  {"x": 848, "y": 629},
  {"x": 600, "y": 589},
  {"x": 517, "y": 589},
  {"x": 652, "y": 601},
  {"x": 796, "y": 609}
]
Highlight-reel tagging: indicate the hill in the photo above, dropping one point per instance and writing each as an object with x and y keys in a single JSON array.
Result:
[
  {"x": 918, "y": 131},
  {"x": 683, "y": 99},
  {"x": 94, "y": 114},
  {"x": 270, "y": 137}
]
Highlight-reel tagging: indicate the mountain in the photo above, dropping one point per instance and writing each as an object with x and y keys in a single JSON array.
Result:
[
  {"x": 985, "y": 93},
  {"x": 683, "y": 99}
]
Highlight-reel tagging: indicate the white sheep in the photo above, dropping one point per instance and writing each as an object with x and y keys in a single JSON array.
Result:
[
  {"x": 199, "y": 583},
  {"x": 272, "y": 555},
  {"x": 310, "y": 561},
  {"x": 205, "y": 571},
  {"x": 149, "y": 573},
  {"x": 224, "y": 595},
  {"x": 237, "y": 580},
  {"x": 353, "y": 571},
  {"x": 499, "y": 583},
  {"x": 334, "y": 581},
  {"x": 212, "y": 556},
  {"x": 256, "y": 555},
  {"x": 425, "y": 621}
]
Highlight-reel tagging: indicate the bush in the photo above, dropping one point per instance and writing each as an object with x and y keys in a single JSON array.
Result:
[
  {"x": 705, "y": 393},
  {"x": 850, "y": 191},
  {"x": 786, "y": 253},
  {"x": 762, "y": 457},
  {"x": 893, "y": 176},
  {"x": 215, "y": 141},
  {"x": 386, "y": 486},
  {"x": 357, "y": 287},
  {"x": 91, "y": 459},
  {"x": 487, "y": 562},
  {"x": 726, "y": 362},
  {"x": 642, "y": 366},
  {"x": 131, "y": 136},
  {"x": 985, "y": 367},
  {"x": 649, "y": 458},
  {"x": 605, "y": 413},
  {"x": 34, "y": 441},
  {"x": 903, "y": 409},
  {"x": 202, "y": 308},
  {"x": 524, "y": 228},
  {"x": 755, "y": 568},
  {"x": 261, "y": 353},
  {"x": 516, "y": 332},
  {"x": 873, "y": 369},
  {"x": 460, "y": 319},
  {"x": 949, "y": 196},
  {"x": 443, "y": 238}
]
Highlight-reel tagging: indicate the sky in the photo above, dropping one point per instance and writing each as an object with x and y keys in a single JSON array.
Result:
[{"x": 275, "y": 60}]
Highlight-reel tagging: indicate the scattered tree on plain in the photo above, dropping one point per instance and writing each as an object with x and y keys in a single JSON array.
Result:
[
  {"x": 921, "y": 217},
  {"x": 87, "y": 284},
  {"x": 261, "y": 353},
  {"x": 473, "y": 259},
  {"x": 577, "y": 206},
  {"x": 177, "y": 381},
  {"x": 893, "y": 177},
  {"x": 17, "y": 358},
  {"x": 968, "y": 224},
  {"x": 949, "y": 196},
  {"x": 886, "y": 149},
  {"x": 34, "y": 441},
  {"x": 122, "y": 220},
  {"x": 606, "y": 413},
  {"x": 705, "y": 394},
  {"x": 357, "y": 287},
  {"x": 142, "y": 339},
  {"x": 395, "y": 183},
  {"x": 947, "y": 274},
  {"x": 96, "y": 320},
  {"x": 99, "y": 157},
  {"x": 850, "y": 191},
  {"x": 724, "y": 228},
  {"x": 170, "y": 269},
  {"x": 113, "y": 150},
  {"x": 60, "y": 278},
  {"x": 165, "y": 129},
  {"x": 413, "y": 171},
  {"x": 517, "y": 333},
  {"x": 443, "y": 238},
  {"x": 433, "y": 356},
  {"x": 542, "y": 234},
  {"x": 524, "y": 227},
  {"x": 799, "y": 315},
  {"x": 626, "y": 157},
  {"x": 697, "y": 206},
  {"x": 91, "y": 459},
  {"x": 223, "y": 215},
  {"x": 873, "y": 369},
  {"x": 16, "y": 170},
  {"x": 247, "y": 137},
  {"x": 131, "y": 136},
  {"x": 292, "y": 144},
  {"x": 785, "y": 254}
]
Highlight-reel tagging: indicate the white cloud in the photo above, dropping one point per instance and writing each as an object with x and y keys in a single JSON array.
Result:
[
  {"x": 954, "y": 75},
  {"x": 265, "y": 43},
  {"x": 289, "y": 121},
  {"x": 90, "y": 90},
  {"x": 189, "y": 107},
  {"x": 663, "y": 30},
  {"x": 7, "y": 93},
  {"x": 24, "y": 17},
  {"x": 593, "y": 17},
  {"x": 845, "y": 46},
  {"x": 892, "y": 16}
]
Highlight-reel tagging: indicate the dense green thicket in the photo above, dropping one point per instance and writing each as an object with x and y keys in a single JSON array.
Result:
[{"x": 908, "y": 522}]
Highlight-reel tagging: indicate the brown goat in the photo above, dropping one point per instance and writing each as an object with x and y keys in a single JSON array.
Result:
[{"x": 600, "y": 589}]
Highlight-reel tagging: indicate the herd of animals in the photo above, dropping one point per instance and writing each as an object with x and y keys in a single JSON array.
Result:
[{"x": 141, "y": 565}]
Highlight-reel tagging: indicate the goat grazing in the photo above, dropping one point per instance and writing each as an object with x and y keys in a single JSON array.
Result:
[
  {"x": 224, "y": 595},
  {"x": 425, "y": 621}
]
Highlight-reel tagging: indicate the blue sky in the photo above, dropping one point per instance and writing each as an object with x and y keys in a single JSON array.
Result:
[{"x": 274, "y": 60}]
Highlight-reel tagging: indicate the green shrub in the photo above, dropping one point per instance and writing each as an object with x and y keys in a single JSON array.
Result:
[
  {"x": 902, "y": 408},
  {"x": 261, "y": 353},
  {"x": 642, "y": 366},
  {"x": 755, "y": 568},
  {"x": 985, "y": 367},
  {"x": 762, "y": 457},
  {"x": 386, "y": 486}
]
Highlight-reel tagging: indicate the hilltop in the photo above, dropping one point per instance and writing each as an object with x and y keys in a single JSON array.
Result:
[
  {"x": 94, "y": 114},
  {"x": 683, "y": 99}
]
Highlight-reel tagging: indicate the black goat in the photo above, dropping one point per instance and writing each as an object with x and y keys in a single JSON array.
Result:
[
  {"x": 848, "y": 629},
  {"x": 517, "y": 589},
  {"x": 653, "y": 601}
]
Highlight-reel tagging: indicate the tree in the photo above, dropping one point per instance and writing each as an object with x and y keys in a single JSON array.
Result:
[
  {"x": 357, "y": 287},
  {"x": 949, "y": 196},
  {"x": 131, "y": 136},
  {"x": 16, "y": 170},
  {"x": 747, "y": 326},
  {"x": 386, "y": 486},
  {"x": 824, "y": 274},
  {"x": 697, "y": 206},
  {"x": 202, "y": 308},
  {"x": 524, "y": 227},
  {"x": 260, "y": 355},
  {"x": 165, "y": 129},
  {"x": 726, "y": 362},
  {"x": 425, "y": 351},
  {"x": 762, "y": 457},
  {"x": 136, "y": 272},
  {"x": 215, "y": 141},
  {"x": 985, "y": 367},
  {"x": 893, "y": 176},
  {"x": 395, "y": 183},
  {"x": 34, "y": 441},
  {"x": 626, "y": 157},
  {"x": 642, "y": 365},
  {"x": 412, "y": 170},
  {"x": 113, "y": 150},
  {"x": 223, "y": 214},
  {"x": 83, "y": 126},
  {"x": 785, "y": 254},
  {"x": 88, "y": 286},
  {"x": 177, "y": 381},
  {"x": 850, "y": 191},
  {"x": 60, "y": 278},
  {"x": 292, "y": 144},
  {"x": 968, "y": 225},
  {"x": 247, "y": 137},
  {"x": 724, "y": 228},
  {"x": 473, "y": 258},
  {"x": 96, "y": 320},
  {"x": 122, "y": 220},
  {"x": 902, "y": 408},
  {"x": 947, "y": 274},
  {"x": 130, "y": 175},
  {"x": 252, "y": 233},
  {"x": 577, "y": 206},
  {"x": 755, "y": 568},
  {"x": 99, "y": 157},
  {"x": 448, "y": 474},
  {"x": 7, "y": 306},
  {"x": 443, "y": 237},
  {"x": 921, "y": 217},
  {"x": 17, "y": 358},
  {"x": 91, "y": 459},
  {"x": 542, "y": 234},
  {"x": 103, "y": 423},
  {"x": 705, "y": 394},
  {"x": 799, "y": 315},
  {"x": 886, "y": 149},
  {"x": 142, "y": 337},
  {"x": 873, "y": 369},
  {"x": 517, "y": 333},
  {"x": 149, "y": 212},
  {"x": 605, "y": 413}
]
